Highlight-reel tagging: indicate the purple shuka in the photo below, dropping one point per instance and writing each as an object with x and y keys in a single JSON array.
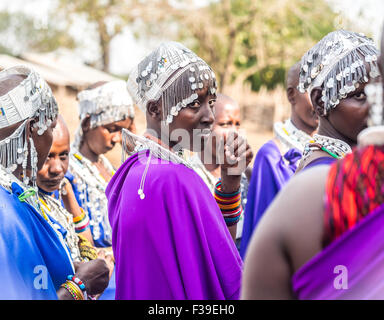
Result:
[
  {"x": 351, "y": 267},
  {"x": 174, "y": 243}
]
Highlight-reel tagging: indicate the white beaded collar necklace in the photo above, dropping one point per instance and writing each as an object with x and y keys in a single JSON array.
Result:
[
  {"x": 290, "y": 136},
  {"x": 334, "y": 147}
]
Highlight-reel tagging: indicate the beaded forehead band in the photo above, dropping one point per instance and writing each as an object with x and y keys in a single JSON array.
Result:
[
  {"x": 171, "y": 72},
  {"x": 105, "y": 104},
  {"x": 337, "y": 63},
  {"x": 31, "y": 98}
]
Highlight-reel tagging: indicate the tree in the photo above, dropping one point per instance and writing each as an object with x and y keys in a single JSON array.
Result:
[
  {"x": 243, "y": 40},
  {"x": 246, "y": 40},
  {"x": 20, "y": 32},
  {"x": 110, "y": 17}
]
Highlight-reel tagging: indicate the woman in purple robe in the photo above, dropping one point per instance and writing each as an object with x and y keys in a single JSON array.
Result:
[
  {"x": 322, "y": 236},
  {"x": 170, "y": 239},
  {"x": 336, "y": 88}
]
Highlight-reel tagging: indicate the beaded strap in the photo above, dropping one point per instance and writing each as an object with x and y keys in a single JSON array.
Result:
[
  {"x": 320, "y": 147},
  {"x": 334, "y": 147},
  {"x": 229, "y": 204}
]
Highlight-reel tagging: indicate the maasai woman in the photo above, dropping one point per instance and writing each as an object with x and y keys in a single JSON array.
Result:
[
  {"x": 170, "y": 239},
  {"x": 322, "y": 238},
  {"x": 105, "y": 108},
  {"x": 334, "y": 73},
  {"x": 35, "y": 259},
  {"x": 50, "y": 180}
]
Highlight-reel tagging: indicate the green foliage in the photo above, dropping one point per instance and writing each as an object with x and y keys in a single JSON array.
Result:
[
  {"x": 256, "y": 41},
  {"x": 243, "y": 40}
]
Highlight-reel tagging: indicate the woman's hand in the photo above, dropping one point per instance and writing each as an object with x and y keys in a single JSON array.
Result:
[
  {"x": 107, "y": 256},
  {"x": 237, "y": 156},
  {"x": 94, "y": 274}
]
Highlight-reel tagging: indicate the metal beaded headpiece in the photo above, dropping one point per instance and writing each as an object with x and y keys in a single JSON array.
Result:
[
  {"x": 337, "y": 64},
  {"x": 32, "y": 98},
  {"x": 374, "y": 134},
  {"x": 173, "y": 73},
  {"x": 105, "y": 104}
]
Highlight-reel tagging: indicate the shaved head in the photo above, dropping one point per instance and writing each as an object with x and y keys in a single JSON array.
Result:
[
  {"x": 222, "y": 101},
  {"x": 61, "y": 130},
  {"x": 293, "y": 76}
]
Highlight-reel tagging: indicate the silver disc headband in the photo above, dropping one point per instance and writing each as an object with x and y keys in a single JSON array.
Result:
[
  {"x": 105, "y": 104},
  {"x": 337, "y": 64},
  {"x": 31, "y": 99},
  {"x": 171, "y": 72}
]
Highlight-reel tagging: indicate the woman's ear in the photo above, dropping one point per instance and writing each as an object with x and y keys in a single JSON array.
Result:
[
  {"x": 29, "y": 128},
  {"x": 86, "y": 124},
  {"x": 291, "y": 95},
  {"x": 154, "y": 109},
  {"x": 317, "y": 103}
]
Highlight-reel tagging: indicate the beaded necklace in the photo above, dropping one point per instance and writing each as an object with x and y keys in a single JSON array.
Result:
[
  {"x": 65, "y": 219},
  {"x": 133, "y": 144},
  {"x": 30, "y": 196},
  {"x": 91, "y": 186},
  {"x": 334, "y": 147},
  {"x": 290, "y": 136}
]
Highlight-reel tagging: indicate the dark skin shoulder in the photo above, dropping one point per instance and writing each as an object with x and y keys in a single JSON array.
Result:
[{"x": 289, "y": 235}]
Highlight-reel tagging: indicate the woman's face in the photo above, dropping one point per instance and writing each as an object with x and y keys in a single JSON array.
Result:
[
  {"x": 103, "y": 138},
  {"x": 350, "y": 116},
  {"x": 56, "y": 164},
  {"x": 194, "y": 123},
  {"x": 227, "y": 119}
]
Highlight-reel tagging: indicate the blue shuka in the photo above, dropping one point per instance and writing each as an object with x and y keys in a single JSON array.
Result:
[{"x": 33, "y": 261}]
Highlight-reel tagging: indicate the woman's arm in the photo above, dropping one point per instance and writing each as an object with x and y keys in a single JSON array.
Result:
[{"x": 72, "y": 206}]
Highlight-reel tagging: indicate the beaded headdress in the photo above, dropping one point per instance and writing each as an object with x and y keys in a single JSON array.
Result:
[
  {"x": 104, "y": 104},
  {"x": 374, "y": 134},
  {"x": 155, "y": 77},
  {"x": 337, "y": 64},
  {"x": 32, "y": 98}
]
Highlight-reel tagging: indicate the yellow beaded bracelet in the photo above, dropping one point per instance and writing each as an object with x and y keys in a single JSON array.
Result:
[{"x": 73, "y": 289}]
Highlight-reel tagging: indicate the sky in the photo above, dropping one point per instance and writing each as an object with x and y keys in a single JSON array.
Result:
[{"x": 126, "y": 50}]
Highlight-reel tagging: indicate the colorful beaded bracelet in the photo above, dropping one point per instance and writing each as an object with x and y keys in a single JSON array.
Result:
[
  {"x": 229, "y": 204},
  {"x": 81, "y": 222},
  {"x": 75, "y": 292},
  {"x": 77, "y": 281}
]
